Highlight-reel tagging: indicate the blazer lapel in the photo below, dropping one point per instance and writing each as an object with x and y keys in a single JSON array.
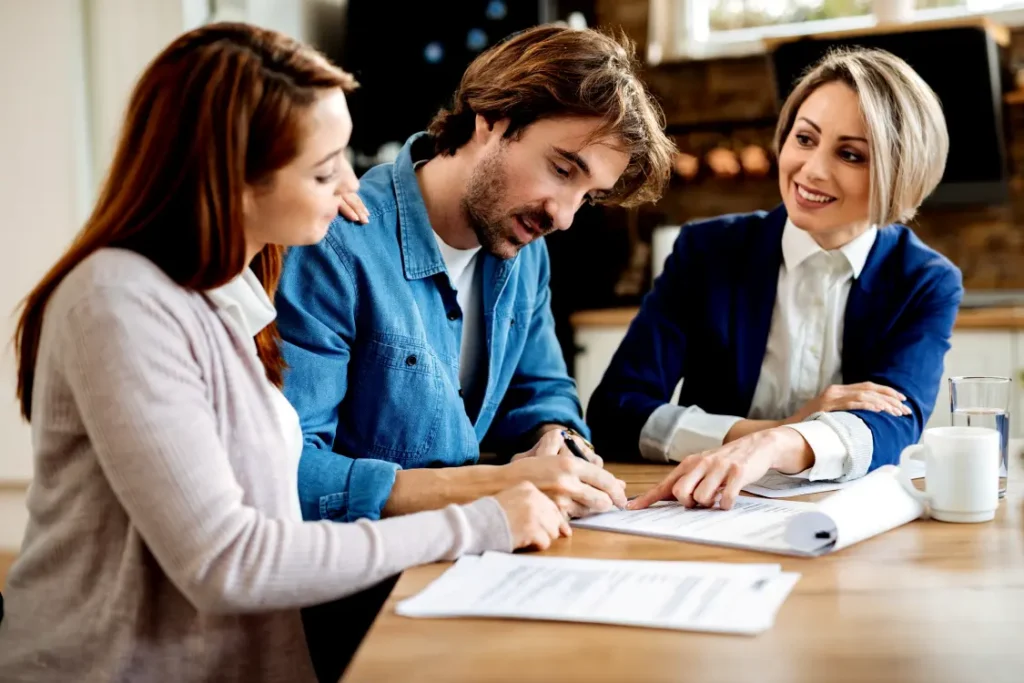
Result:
[{"x": 754, "y": 303}]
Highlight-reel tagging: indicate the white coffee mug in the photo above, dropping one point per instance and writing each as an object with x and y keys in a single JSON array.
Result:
[{"x": 961, "y": 475}]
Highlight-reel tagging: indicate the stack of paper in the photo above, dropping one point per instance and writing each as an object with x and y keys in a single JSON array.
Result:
[
  {"x": 697, "y": 596},
  {"x": 777, "y": 485},
  {"x": 869, "y": 506}
]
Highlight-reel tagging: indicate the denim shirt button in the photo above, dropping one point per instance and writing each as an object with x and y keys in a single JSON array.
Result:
[
  {"x": 453, "y": 314},
  {"x": 410, "y": 361}
]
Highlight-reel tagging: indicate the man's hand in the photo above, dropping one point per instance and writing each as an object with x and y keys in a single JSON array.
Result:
[
  {"x": 577, "y": 487},
  {"x": 585, "y": 448},
  {"x": 701, "y": 478}
]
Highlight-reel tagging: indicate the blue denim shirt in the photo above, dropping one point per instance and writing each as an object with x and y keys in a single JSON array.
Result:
[{"x": 372, "y": 334}]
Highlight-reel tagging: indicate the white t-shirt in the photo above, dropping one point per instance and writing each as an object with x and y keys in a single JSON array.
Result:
[{"x": 462, "y": 272}]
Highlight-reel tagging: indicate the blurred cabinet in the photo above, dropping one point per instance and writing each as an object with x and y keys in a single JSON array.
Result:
[
  {"x": 981, "y": 352},
  {"x": 1017, "y": 410},
  {"x": 597, "y": 345}
]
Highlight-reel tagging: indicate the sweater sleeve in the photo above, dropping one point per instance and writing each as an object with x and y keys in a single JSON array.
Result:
[{"x": 140, "y": 392}]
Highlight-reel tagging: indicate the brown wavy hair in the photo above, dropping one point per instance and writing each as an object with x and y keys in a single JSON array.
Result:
[
  {"x": 219, "y": 109},
  {"x": 554, "y": 71}
]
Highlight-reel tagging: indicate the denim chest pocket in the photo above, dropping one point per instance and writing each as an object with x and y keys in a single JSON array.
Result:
[
  {"x": 514, "y": 327},
  {"x": 398, "y": 410},
  {"x": 518, "y": 322}
]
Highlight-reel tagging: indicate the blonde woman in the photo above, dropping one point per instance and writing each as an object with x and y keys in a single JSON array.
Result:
[
  {"x": 165, "y": 540},
  {"x": 810, "y": 338}
]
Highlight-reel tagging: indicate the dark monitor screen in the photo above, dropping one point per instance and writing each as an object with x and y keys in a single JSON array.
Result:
[
  {"x": 409, "y": 57},
  {"x": 962, "y": 66}
]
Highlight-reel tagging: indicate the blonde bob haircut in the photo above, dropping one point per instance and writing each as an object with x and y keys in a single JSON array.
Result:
[{"x": 908, "y": 141}]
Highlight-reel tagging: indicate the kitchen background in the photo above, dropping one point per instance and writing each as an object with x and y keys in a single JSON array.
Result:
[{"x": 718, "y": 67}]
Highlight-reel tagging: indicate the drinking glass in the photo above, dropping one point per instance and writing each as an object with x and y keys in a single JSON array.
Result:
[{"x": 984, "y": 402}]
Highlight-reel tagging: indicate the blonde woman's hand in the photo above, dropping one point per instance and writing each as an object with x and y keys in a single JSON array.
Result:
[
  {"x": 533, "y": 518},
  {"x": 862, "y": 396},
  {"x": 718, "y": 475}
]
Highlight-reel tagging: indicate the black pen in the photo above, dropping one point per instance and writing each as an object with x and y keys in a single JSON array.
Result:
[{"x": 573, "y": 448}]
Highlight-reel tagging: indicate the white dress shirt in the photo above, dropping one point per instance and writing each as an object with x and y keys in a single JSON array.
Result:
[
  {"x": 802, "y": 358},
  {"x": 462, "y": 266},
  {"x": 246, "y": 304}
]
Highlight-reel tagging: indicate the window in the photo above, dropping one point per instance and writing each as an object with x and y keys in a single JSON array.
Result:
[
  {"x": 707, "y": 28},
  {"x": 726, "y": 15}
]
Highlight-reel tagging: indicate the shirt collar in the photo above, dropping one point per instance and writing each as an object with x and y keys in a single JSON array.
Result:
[
  {"x": 245, "y": 300},
  {"x": 421, "y": 257},
  {"x": 456, "y": 260},
  {"x": 798, "y": 246}
]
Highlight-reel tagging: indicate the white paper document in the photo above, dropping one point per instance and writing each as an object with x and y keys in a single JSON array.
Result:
[
  {"x": 699, "y": 596},
  {"x": 869, "y": 506},
  {"x": 776, "y": 485}
]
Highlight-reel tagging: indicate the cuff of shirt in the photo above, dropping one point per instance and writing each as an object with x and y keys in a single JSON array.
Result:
[
  {"x": 857, "y": 439},
  {"x": 829, "y": 451},
  {"x": 369, "y": 487},
  {"x": 672, "y": 432},
  {"x": 488, "y": 529},
  {"x": 363, "y": 495}
]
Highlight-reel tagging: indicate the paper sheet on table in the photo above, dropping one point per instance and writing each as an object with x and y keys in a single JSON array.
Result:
[
  {"x": 775, "y": 485},
  {"x": 869, "y": 506},
  {"x": 699, "y": 596}
]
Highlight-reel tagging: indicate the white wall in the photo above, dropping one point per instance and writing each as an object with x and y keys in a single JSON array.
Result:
[
  {"x": 67, "y": 68},
  {"x": 44, "y": 170},
  {"x": 122, "y": 37},
  {"x": 44, "y": 189}
]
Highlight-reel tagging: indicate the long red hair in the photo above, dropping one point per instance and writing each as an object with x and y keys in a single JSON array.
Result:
[{"x": 219, "y": 109}]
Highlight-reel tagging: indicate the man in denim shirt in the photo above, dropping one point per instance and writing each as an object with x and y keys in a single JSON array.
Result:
[{"x": 426, "y": 330}]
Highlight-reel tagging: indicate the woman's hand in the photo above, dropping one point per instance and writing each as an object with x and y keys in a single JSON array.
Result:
[
  {"x": 863, "y": 396},
  {"x": 533, "y": 518},
  {"x": 351, "y": 207},
  {"x": 701, "y": 478}
]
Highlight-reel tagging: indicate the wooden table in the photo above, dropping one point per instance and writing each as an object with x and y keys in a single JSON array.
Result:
[
  {"x": 988, "y": 318},
  {"x": 929, "y": 602}
]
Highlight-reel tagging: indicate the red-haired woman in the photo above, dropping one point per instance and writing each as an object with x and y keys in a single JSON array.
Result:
[{"x": 165, "y": 540}]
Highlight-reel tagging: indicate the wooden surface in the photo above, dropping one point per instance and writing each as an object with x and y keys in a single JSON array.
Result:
[
  {"x": 604, "y": 317},
  {"x": 1011, "y": 318},
  {"x": 926, "y": 603},
  {"x": 1014, "y": 97},
  {"x": 6, "y": 560},
  {"x": 991, "y": 318}
]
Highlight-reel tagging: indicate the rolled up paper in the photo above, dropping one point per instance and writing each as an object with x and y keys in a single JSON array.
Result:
[{"x": 870, "y": 506}]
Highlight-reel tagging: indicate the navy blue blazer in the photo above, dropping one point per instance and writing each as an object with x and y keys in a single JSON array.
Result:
[{"x": 708, "y": 315}]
